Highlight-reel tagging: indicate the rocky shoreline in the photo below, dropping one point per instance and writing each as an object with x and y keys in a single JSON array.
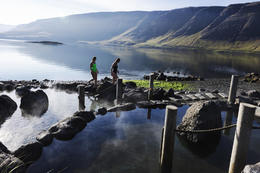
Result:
[{"x": 105, "y": 91}]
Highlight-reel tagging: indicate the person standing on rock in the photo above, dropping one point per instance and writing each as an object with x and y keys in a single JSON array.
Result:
[
  {"x": 114, "y": 70},
  {"x": 93, "y": 69}
]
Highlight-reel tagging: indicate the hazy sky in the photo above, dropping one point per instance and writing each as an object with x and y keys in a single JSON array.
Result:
[{"x": 25, "y": 11}]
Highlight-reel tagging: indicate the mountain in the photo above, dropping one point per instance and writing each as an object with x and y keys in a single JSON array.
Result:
[
  {"x": 234, "y": 27},
  {"x": 5, "y": 28}
]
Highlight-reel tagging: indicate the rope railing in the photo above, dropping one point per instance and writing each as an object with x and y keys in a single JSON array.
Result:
[
  {"x": 207, "y": 130},
  {"x": 211, "y": 130}
]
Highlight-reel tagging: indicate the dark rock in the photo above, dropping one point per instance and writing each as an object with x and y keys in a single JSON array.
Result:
[
  {"x": 158, "y": 94},
  {"x": 34, "y": 103},
  {"x": 135, "y": 95},
  {"x": 7, "y": 107},
  {"x": 215, "y": 91},
  {"x": 243, "y": 93},
  {"x": 22, "y": 91},
  {"x": 43, "y": 86},
  {"x": 130, "y": 84},
  {"x": 252, "y": 168},
  {"x": 90, "y": 88},
  {"x": 30, "y": 152},
  {"x": 151, "y": 104},
  {"x": 9, "y": 163},
  {"x": 69, "y": 86},
  {"x": 106, "y": 91},
  {"x": 2, "y": 86},
  {"x": 46, "y": 80},
  {"x": 9, "y": 87},
  {"x": 170, "y": 93},
  {"x": 161, "y": 77},
  {"x": 68, "y": 128},
  {"x": 202, "y": 90},
  {"x": 201, "y": 116},
  {"x": 88, "y": 116},
  {"x": 122, "y": 107},
  {"x": 102, "y": 111},
  {"x": 253, "y": 94},
  {"x": 45, "y": 138},
  {"x": 3, "y": 148}
]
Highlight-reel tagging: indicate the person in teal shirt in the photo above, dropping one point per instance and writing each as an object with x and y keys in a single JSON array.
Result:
[{"x": 93, "y": 69}]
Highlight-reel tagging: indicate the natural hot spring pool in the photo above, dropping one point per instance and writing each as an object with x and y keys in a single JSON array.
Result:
[{"x": 117, "y": 142}]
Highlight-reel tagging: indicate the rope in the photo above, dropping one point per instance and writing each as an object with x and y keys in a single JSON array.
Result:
[
  {"x": 211, "y": 130},
  {"x": 206, "y": 131}
]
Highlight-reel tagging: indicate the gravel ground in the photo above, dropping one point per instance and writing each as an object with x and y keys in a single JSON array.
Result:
[{"x": 222, "y": 85}]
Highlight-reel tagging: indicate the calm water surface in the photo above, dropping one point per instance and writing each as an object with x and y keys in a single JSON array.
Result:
[{"x": 21, "y": 60}]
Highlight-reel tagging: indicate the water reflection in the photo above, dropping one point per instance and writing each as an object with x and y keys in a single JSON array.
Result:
[
  {"x": 149, "y": 113},
  {"x": 71, "y": 61},
  {"x": 228, "y": 121}
]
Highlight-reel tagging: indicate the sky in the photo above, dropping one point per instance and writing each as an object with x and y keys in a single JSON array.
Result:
[{"x": 14, "y": 12}]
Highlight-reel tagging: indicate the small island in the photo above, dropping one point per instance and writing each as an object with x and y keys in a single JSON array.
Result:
[{"x": 46, "y": 42}]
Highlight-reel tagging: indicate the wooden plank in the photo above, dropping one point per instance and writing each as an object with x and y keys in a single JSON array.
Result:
[
  {"x": 201, "y": 97},
  {"x": 185, "y": 98},
  {"x": 211, "y": 96},
  {"x": 193, "y": 97},
  {"x": 223, "y": 95}
]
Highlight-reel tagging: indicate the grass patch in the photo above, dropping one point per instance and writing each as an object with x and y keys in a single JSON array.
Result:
[{"x": 161, "y": 84}]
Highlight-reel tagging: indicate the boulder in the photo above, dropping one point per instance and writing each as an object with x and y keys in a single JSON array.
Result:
[
  {"x": 106, "y": 91},
  {"x": 135, "y": 95},
  {"x": 88, "y": 116},
  {"x": 43, "y": 86},
  {"x": 130, "y": 84},
  {"x": 68, "y": 128},
  {"x": 122, "y": 107},
  {"x": 161, "y": 77},
  {"x": 169, "y": 93},
  {"x": 30, "y": 152},
  {"x": 159, "y": 94},
  {"x": 2, "y": 86},
  {"x": 34, "y": 103},
  {"x": 201, "y": 116},
  {"x": 102, "y": 111},
  {"x": 7, "y": 107},
  {"x": 10, "y": 163},
  {"x": 45, "y": 138},
  {"x": 253, "y": 94},
  {"x": 22, "y": 91},
  {"x": 69, "y": 86},
  {"x": 9, "y": 87},
  {"x": 252, "y": 168}
]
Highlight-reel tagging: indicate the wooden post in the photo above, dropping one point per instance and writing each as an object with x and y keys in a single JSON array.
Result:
[
  {"x": 150, "y": 92},
  {"x": 81, "y": 93},
  {"x": 167, "y": 147},
  {"x": 242, "y": 136},
  {"x": 233, "y": 89},
  {"x": 119, "y": 91}
]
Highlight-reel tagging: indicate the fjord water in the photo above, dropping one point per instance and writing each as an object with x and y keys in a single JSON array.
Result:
[
  {"x": 117, "y": 142},
  {"x": 26, "y": 61}
]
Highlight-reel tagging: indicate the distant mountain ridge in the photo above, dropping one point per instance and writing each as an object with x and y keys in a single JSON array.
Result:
[{"x": 235, "y": 27}]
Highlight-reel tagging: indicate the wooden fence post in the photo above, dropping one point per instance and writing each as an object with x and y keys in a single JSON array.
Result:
[
  {"x": 150, "y": 92},
  {"x": 119, "y": 91},
  {"x": 168, "y": 139},
  {"x": 233, "y": 89},
  {"x": 242, "y": 137},
  {"x": 81, "y": 93}
]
